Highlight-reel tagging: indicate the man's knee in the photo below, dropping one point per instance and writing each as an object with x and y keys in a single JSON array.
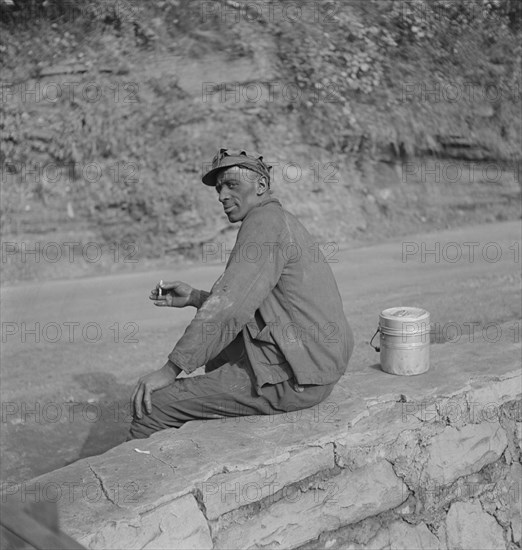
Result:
[
  {"x": 310, "y": 395},
  {"x": 157, "y": 420},
  {"x": 141, "y": 429}
]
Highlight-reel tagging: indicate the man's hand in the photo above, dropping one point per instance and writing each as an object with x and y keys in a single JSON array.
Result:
[
  {"x": 152, "y": 382},
  {"x": 176, "y": 294}
]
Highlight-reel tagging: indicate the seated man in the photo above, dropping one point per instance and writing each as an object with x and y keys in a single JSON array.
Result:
[{"x": 271, "y": 332}]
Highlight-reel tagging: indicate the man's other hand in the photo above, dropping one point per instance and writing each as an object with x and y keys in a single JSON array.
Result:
[
  {"x": 176, "y": 294},
  {"x": 152, "y": 382}
]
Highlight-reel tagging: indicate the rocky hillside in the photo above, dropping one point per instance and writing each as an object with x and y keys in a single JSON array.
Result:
[{"x": 379, "y": 117}]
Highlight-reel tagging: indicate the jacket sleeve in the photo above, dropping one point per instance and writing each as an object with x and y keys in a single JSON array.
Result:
[{"x": 252, "y": 271}]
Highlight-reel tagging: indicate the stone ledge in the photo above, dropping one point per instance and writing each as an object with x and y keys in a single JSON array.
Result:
[
  {"x": 154, "y": 529},
  {"x": 291, "y": 521},
  {"x": 283, "y": 480},
  {"x": 225, "y": 492}
]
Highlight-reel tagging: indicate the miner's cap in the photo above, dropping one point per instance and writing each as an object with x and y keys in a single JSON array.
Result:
[{"x": 226, "y": 158}]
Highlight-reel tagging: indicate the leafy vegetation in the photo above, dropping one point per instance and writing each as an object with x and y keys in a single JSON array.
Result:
[{"x": 376, "y": 79}]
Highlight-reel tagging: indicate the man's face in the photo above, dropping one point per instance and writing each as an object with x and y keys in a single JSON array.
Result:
[{"x": 239, "y": 191}]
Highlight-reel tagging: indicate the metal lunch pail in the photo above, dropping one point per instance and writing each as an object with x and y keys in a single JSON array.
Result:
[{"x": 404, "y": 340}]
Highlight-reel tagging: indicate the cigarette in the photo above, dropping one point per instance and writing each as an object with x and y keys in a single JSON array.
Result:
[{"x": 160, "y": 290}]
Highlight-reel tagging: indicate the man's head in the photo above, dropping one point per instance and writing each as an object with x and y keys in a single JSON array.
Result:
[
  {"x": 241, "y": 180},
  {"x": 239, "y": 190}
]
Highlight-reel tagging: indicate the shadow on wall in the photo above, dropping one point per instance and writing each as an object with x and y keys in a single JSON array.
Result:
[
  {"x": 46, "y": 435},
  {"x": 109, "y": 418}
]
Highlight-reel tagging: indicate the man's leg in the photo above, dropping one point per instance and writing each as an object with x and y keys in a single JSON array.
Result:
[
  {"x": 283, "y": 397},
  {"x": 223, "y": 393},
  {"x": 226, "y": 391}
]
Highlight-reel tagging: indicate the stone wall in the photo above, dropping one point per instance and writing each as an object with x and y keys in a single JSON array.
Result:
[{"x": 387, "y": 462}]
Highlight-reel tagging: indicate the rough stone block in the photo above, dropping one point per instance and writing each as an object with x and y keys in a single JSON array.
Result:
[
  {"x": 459, "y": 452},
  {"x": 512, "y": 495},
  {"x": 176, "y": 525},
  {"x": 224, "y": 492},
  {"x": 300, "y": 517},
  {"x": 400, "y": 535},
  {"x": 468, "y": 526},
  {"x": 488, "y": 399},
  {"x": 516, "y": 529}
]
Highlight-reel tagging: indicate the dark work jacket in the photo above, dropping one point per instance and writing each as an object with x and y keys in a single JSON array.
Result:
[{"x": 279, "y": 292}]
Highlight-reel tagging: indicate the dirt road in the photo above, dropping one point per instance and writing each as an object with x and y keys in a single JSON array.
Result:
[{"x": 73, "y": 350}]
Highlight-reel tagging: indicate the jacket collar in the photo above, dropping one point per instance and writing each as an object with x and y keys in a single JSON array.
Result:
[
  {"x": 266, "y": 201},
  {"x": 263, "y": 203}
]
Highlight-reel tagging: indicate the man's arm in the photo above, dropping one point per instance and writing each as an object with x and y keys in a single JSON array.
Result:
[
  {"x": 178, "y": 294},
  {"x": 152, "y": 382},
  {"x": 199, "y": 298},
  {"x": 253, "y": 269}
]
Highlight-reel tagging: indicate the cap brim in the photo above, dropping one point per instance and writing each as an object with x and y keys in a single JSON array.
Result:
[{"x": 210, "y": 177}]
